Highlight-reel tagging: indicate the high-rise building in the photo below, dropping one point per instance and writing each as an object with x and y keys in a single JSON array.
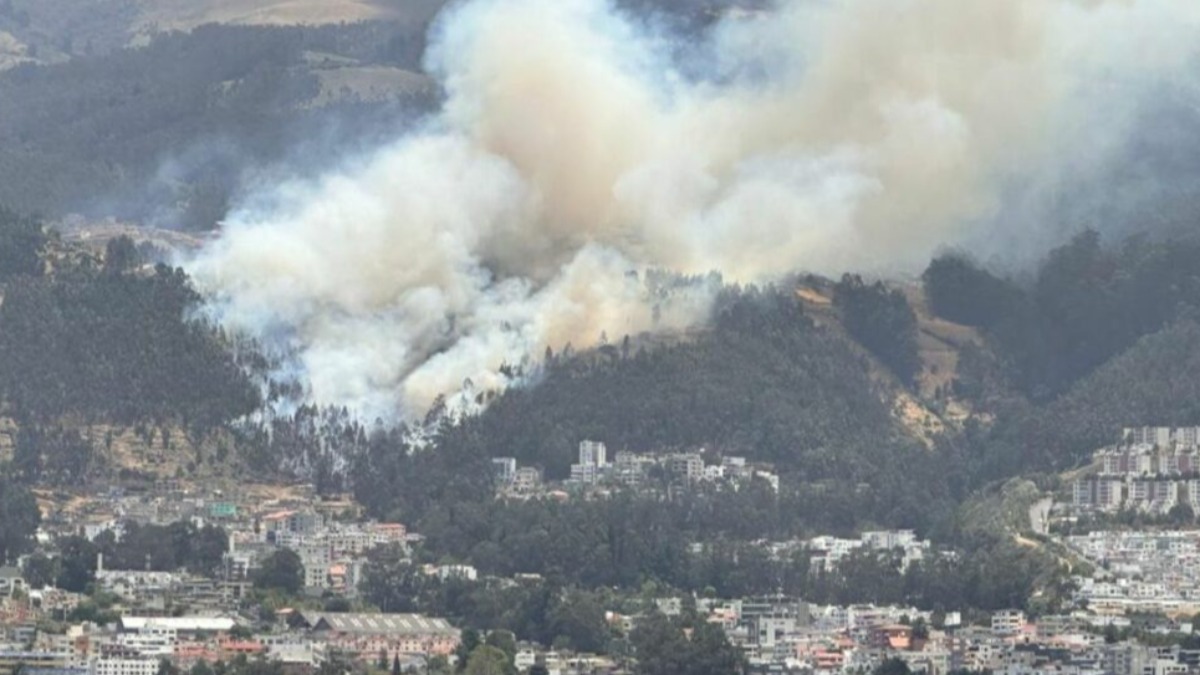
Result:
[{"x": 593, "y": 453}]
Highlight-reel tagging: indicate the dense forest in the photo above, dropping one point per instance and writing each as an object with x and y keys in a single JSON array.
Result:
[
  {"x": 765, "y": 382},
  {"x": 110, "y": 341},
  {"x": 1087, "y": 303},
  {"x": 880, "y": 319},
  {"x": 1100, "y": 338}
]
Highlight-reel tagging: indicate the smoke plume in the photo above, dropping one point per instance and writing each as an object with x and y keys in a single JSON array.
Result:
[{"x": 578, "y": 144}]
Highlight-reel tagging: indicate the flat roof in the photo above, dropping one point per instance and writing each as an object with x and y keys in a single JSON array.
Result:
[{"x": 178, "y": 623}]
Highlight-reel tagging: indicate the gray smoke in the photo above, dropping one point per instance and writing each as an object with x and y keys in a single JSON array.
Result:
[{"x": 572, "y": 149}]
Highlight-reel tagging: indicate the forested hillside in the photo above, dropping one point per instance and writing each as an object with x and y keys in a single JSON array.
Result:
[
  {"x": 168, "y": 132},
  {"x": 85, "y": 341},
  {"x": 765, "y": 382},
  {"x": 1088, "y": 302},
  {"x": 1102, "y": 338}
]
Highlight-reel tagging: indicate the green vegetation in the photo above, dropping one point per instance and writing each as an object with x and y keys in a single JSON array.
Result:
[
  {"x": 281, "y": 571},
  {"x": 880, "y": 319},
  {"x": 1087, "y": 304},
  {"x": 532, "y": 610},
  {"x": 19, "y": 518},
  {"x": 115, "y": 346},
  {"x": 180, "y": 545},
  {"x": 765, "y": 382},
  {"x": 663, "y": 648},
  {"x": 992, "y": 574},
  {"x": 22, "y": 245},
  {"x": 1103, "y": 337}
]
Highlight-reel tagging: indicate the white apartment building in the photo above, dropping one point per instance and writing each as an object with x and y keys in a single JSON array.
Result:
[
  {"x": 593, "y": 462},
  {"x": 527, "y": 479},
  {"x": 733, "y": 465},
  {"x": 1008, "y": 622},
  {"x": 1160, "y": 436},
  {"x": 592, "y": 452},
  {"x": 585, "y": 474},
  {"x": 630, "y": 468},
  {"x": 689, "y": 466},
  {"x": 124, "y": 665},
  {"x": 889, "y": 539},
  {"x": 1192, "y": 492}
]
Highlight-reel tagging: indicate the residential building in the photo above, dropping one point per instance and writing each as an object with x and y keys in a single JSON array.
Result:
[
  {"x": 688, "y": 467},
  {"x": 592, "y": 452},
  {"x": 1008, "y": 622}
]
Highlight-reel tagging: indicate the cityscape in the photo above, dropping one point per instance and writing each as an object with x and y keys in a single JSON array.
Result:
[{"x": 131, "y": 621}]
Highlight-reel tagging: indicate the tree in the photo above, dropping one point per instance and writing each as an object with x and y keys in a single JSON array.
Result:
[
  {"x": 22, "y": 243},
  {"x": 580, "y": 619},
  {"x": 390, "y": 581},
  {"x": 40, "y": 570},
  {"x": 118, "y": 347},
  {"x": 19, "y": 519},
  {"x": 503, "y": 640},
  {"x": 205, "y": 551},
  {"x": 488, "y": 660},
  {"x": 78, "y": 564},
  {"x": 882, "y": 320},
  {"x": 712, "y": 653},
  {"x": 439, "y": 665},
  {"x": 660, "y": 646},
  {"x": 466, "y": 647},
  {"x": 282, "y": 571},
  {"x": 959, "y": 290},
  {"x": 336, "y": 664},
  {"x": 920, "y": 629},
  {"x": 892, "y": 666},
  {"x": 120, "y": 255},
  {"x": 1182, "y": 514}
]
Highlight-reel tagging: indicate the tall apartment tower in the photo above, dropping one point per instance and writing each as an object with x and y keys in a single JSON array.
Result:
[{"x": 593, "y": 453}]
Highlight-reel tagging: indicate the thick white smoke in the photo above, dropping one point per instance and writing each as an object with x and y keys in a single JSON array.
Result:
[{"x": 852, "y": 134}]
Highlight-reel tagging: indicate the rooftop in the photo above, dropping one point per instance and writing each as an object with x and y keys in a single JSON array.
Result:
[{"x": 380, "y": 624}]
